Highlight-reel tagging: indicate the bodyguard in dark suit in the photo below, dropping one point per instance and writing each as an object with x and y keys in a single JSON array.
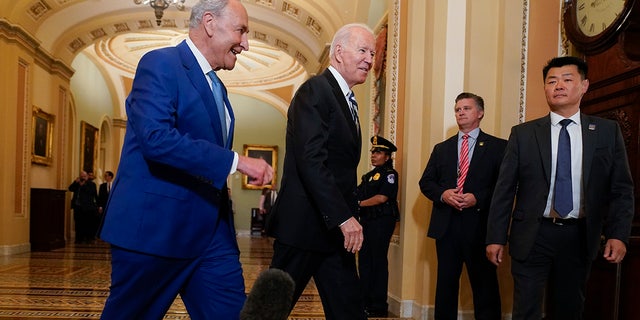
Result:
[
  {"x": 316, "y": 233},
  {"x": 459, "y": 180},
  {"x": 569, "y": 175},
  {"x": 169, "y": 219}
]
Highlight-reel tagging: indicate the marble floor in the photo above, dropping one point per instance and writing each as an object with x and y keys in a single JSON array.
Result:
[{"x": 73, "y": 282}]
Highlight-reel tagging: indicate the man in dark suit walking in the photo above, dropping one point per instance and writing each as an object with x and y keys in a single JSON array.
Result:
[
  {"x": 461, "y": 193},
  {"x": 169, "y": 218},
  {"x": 313, "y": 220},
  {"x": 103, "y": 191},
  {"x": 569, "y": 176}
]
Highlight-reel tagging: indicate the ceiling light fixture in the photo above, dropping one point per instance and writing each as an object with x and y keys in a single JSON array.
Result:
[{"x": 159, "y": 6}]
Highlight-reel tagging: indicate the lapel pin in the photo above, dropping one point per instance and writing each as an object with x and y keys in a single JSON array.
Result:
[
  {"x": 481, "y": 143},
  {"x": 592, "y": 126}
]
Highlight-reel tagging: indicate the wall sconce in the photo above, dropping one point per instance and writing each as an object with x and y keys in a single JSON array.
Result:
[{"x": 159, "y": 6}]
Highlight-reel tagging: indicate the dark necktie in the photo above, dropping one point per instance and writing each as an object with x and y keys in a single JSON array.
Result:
[
  {"x": 353, "y": 107},
  {"x": 218, "y": 95},
  {"x": 563, "y": 196},
  {"x": 464, "y": 162}
]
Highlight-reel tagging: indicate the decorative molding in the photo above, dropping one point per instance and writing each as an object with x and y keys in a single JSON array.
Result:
[
  {"x": 15, "y": 249},
  {"x": 16, "y": 34},
  {"x": 119, "y": 123},
  {"x": 38, "y": 9},
  {"x": 523, "y": 61},
  {"x": 394, "y": 64}
]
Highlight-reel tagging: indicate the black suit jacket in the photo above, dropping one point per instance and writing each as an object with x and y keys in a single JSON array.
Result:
[
  {"x": 103, "y": 195},
  {"x": 525, "y": 173},
  {"x": 319, "y": 179},
  {"x": 441, "y": 173}
]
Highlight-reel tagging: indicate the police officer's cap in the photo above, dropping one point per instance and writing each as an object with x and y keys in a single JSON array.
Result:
[{"x": 379, "y": 143}]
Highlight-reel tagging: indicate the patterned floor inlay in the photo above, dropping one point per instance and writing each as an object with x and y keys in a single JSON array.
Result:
[{"x": 73, "y": 282}]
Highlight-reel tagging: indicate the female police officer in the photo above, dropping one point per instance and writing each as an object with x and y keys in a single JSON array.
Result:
[{"x": 377, "y": 195}]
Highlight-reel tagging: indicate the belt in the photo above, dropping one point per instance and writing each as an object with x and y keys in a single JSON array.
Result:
[{"x": 563, "y": 222}]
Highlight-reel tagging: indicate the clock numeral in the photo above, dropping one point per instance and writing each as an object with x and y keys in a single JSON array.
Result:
[
  {"x": 583, "y": 21},
  {"x": 581, "y": 6},
  {"x": 592, "y": 27}
]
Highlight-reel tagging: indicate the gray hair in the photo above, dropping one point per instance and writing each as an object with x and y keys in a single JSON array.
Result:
[
  {"x": 213, "y": 6},
  {"x": 343, "y": 35}
]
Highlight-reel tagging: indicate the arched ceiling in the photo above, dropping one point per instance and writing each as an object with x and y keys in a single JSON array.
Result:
[{"x": 289, "y": 39}]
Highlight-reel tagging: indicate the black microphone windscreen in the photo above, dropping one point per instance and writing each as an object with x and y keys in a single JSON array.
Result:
[{"x": 270, "y": 297}]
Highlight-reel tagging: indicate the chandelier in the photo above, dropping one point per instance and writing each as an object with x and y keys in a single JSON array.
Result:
[{"x": 159, "y": 6}]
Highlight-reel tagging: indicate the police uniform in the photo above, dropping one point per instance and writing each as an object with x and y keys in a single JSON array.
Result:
[{"x": 378, "y": 223}]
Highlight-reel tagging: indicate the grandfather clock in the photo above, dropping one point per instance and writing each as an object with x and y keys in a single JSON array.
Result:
[{"x": 607, "y": 33}]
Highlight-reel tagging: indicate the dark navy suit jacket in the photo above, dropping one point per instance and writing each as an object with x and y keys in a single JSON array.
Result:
[
  {"x": 441, "y": 173},
  {"x": 171, "y": 183},
  {"x": 319, "y": 182},
  {"x": 525, "y": 177}
]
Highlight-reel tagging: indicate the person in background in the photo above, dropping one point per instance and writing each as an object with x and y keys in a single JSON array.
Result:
[
  {"x": 377, "y": 199},
  {"x": 103, "y": 191},
  {"x": 169, "y": 219},
  {"x": 267, "y": 199},
  {"x": 569, "y": 176},
  {"x": 85, "y": 209},
  {"x": 314, "y": 218},
  {"x": 459, "y": 178}
]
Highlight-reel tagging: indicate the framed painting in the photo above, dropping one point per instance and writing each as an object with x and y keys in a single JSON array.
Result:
[
  {"x": 88, "y": 147},
  {"x": 269, "y": 154},
  {"x": 42, "y": 137}
]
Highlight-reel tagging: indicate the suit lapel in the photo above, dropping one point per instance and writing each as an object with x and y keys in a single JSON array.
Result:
[
  {"x": 344, "y": 106},
  {"x": 451, "y": 152},
  {"x": 233, "y": 119},
  {"x": 543, "y": 137},
  {"x": 478, "y": 153},
  {"x": 194, "y": 72},
  {"x": 589, "y": 135}
]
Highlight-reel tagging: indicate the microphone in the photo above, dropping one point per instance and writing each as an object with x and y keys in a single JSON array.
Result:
[{"x": 270, "y": 298}]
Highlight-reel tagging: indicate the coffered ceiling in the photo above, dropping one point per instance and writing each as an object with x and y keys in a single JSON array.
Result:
[{"x": 289, "y": 39}]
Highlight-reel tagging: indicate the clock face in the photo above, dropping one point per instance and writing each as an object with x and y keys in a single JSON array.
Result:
[{"x": 595, "y": 16}]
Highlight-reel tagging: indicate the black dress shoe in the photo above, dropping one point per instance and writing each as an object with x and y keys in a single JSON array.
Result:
[{"x": 377, "y": 313}]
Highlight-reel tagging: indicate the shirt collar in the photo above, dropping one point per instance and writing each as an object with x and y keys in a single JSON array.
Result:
[
  {"x": 556, "y": 118},
  {"x": 202, "y": 61},
  {"x": 473, "y": 133},
  {"x": 341, "y": 82}
]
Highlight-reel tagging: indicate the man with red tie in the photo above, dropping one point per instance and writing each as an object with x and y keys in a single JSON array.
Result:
[{"x": 461, "y": 193}]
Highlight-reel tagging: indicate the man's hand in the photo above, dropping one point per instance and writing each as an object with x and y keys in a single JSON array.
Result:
[
  {"x": 614, "y": 250},
  {"x": 494, "y": 253},
  {"x": 352, "y": 231},
  {"x": 258, "y": 169},
  {"x": 458, "y": 200}
]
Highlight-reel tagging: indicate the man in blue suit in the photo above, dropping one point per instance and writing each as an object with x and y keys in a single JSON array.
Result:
[{"x": 168, "y": 218}]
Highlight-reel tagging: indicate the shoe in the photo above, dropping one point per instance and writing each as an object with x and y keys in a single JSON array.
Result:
[{"x": 377, "y": 313}]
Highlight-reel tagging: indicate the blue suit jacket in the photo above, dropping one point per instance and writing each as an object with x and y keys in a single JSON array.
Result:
[{"x": 171, "y": 184}]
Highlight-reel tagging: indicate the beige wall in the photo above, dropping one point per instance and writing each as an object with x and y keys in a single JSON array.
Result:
[{"x": 454, "y": 46}]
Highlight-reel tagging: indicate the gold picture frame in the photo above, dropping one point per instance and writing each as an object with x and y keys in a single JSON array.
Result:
[
  {"x": 42, "y": 126},
  {"x": 88, "y": 147},
  {"x": 266, "y": 152}
]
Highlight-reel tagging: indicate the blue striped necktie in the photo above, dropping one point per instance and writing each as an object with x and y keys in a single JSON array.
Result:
[
  {"x": 563, "y": 195},
  {"x": 218, "y": 95},
  {"x": 353, "y": 107}
]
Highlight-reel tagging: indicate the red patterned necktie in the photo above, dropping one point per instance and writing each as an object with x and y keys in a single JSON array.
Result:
[{"x": 464, "y": 162}]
